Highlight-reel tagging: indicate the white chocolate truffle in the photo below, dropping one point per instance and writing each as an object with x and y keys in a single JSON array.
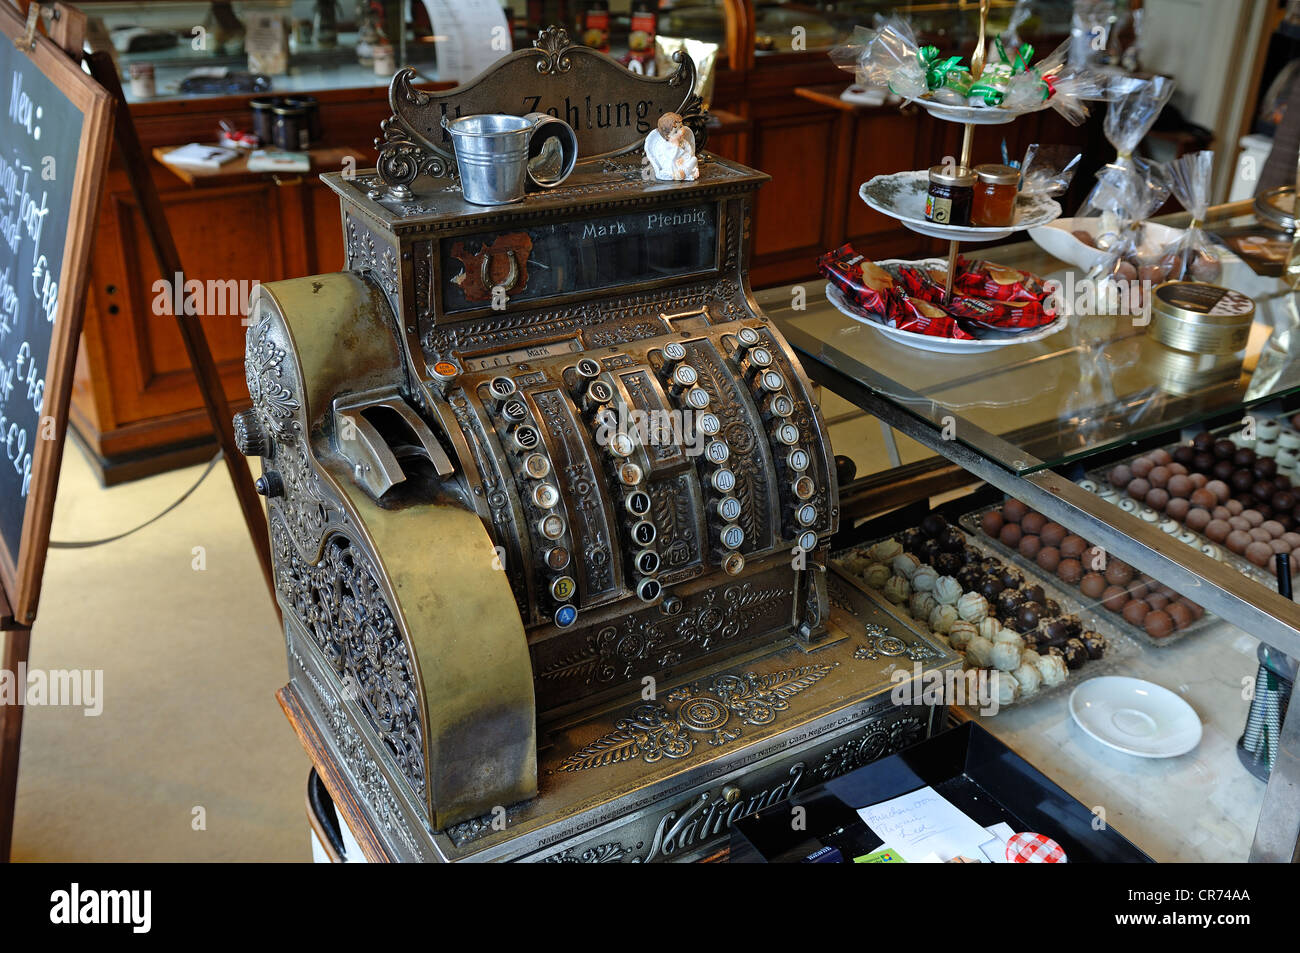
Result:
[
  {"x": 979, "y": 651},
  {"x": 947, "y": 590},
  {"x": 1008, "y": 687},
  {"x": 905, "y": 564},
  {"x": 896, "y": 589},
  {"x": 942, "y": 617},
  {"x": 972, "y": 607},
  {"x": 1053, "y": 670},
  {"x": 921, "y": 605},
  {"x": 1005, "y": 656},
  {"x": 1010, "y": 637},
  {"x": 960, "y": 634},
  {"x": 989, "y": 628},
  {"x": 1028, "y": 676},
  {"x": 885, "y": 550},
  {"x": 876, "y": 575},
  {"x": 923, "y": 579}
]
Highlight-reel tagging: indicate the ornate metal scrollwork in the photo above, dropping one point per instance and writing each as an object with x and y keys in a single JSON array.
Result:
[
  {"x": 552, "y": 43},
  {"x": 404, "y": 155},
  {"x": 340, "y": 604}
]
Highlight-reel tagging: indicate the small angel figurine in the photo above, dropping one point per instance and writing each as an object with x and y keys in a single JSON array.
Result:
[{"x": 670, "y": 151}]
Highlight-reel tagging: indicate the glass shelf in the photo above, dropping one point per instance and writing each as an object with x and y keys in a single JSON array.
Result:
[{"x": 1100, "y": 383}]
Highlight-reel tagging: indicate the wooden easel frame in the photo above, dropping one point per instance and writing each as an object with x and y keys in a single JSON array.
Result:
[{"x": 60, "y": 56}]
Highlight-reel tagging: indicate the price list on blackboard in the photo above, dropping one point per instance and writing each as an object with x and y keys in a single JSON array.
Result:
[{"x": 39, "y": 136}]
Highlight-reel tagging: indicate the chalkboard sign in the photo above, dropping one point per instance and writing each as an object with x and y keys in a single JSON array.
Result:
[{"x": 54, "y": 139}]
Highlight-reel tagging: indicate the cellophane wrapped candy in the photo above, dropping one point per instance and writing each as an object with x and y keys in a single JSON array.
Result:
[
  {"x": 1134, "y": 106},
  {"x": 1048, "y": 170},
  {"x": 1191, "y": 256}
]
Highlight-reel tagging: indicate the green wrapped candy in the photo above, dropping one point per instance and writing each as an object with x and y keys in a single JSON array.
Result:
[{"x": 936, "y": 70}]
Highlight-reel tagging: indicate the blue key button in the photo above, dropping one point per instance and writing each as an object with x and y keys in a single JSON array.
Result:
[{"x": 565, "y": 616}]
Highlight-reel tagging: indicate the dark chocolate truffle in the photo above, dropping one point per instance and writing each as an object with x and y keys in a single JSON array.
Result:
[
  {"x": 1075, "y": 653},
  {"x": 1032, "y": 523},
  {"x": 1049, "y": 557},
  {"x": 1029, "y": 546},
  {"x": 1095, "y": 644},
  {"x": 1052, "y": 534},
  {"x": 1010, "y": 535},
  {"x": 1034, "y": 593},
  {"x": 1070, "y": 571},
  {"x": 1114, "y": 598},
  {"x": 1224, "y": 449},
  {"x": 932, "y": 524},
  {"x": 1119, "y": 573},
  {"x": 1135, "y": 611},
  {"x": 1014, "y": 510},
  {"x": 1072, "y": 547},
  {"x": 1028, "y": 615},
  {"x": 1204, "y": 498},
  {"x": 1180, "y": 614}
]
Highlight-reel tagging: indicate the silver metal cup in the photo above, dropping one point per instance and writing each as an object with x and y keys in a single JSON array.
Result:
[{"x": 498, "y": 155}]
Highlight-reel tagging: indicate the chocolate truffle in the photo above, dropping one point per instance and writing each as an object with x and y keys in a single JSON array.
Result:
[
  {"x": 932, "y": 524},
  {"x": 1283, "y": 501},
  {"x": 1119, "y": 573},
  {"x": 1238, "y": 523},
  {"x": 1199, "y": 481},
  {"x": 1185, "y": 455},
  {"x": 1224, "y": 449},
  {"x": 991, "y": 587},
  {"x": 1158, "y": 624},
  {"x": 1010, "y": 535},
  {"x": 1029, "y": 546},
  {"x": 1073, "y": 547},
  {"x": 1161, "y": 457},
  {"x": 1095, "y": 643},
  {"x": 1235, "y": 507},
  {"x": 1253, "y": 517},
  {"x": 1052, "y": 534},
  {"x": 1180, "y": 615},
  {"x": 1178, "y": 508},
  {"x": 1138, "y": 488},
  {"x": 1120, "y": 476},
  {"x": 1197, "y": 519},
  {"x": 1070, "y": 570},
  {"x": 1265, "y": 468},
  {"x": 1237, "y": 541},
  {"x": 1136, "y": 611},
  {"x": 1093, "y": 585},
  {"x": 1032, "y": 523},
  {"x": 1222, "y": 470},
  {"x": 1014, "y": 511},
  {"x": 1177, "y": 469},
  {"x": 1245, "y": 457},
  {"x": 1049, "y": 557},
  {"x": 1034, "y": 593},
  {"x": 1157, "y": 600},
  {"x": 1075, "y": 653},
  {"x": 1141, "y": 467},
  {"x": 1260, "y": 535},
  {"x": 1114, "y": 598},
  {"x": 1028, "y": 616},
  {"x": 1180, "y": 486},
  {"x": 1157, "y": 499},
  {"x": 1203, "y": 440},
  {"x": 1259, "y": 553},
  {"x": 1218, "y": 530}
]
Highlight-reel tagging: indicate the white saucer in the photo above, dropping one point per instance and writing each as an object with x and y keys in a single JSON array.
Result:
[
  {"x": 902, "y": 196},
  {"x": 1135, "y": 716}
]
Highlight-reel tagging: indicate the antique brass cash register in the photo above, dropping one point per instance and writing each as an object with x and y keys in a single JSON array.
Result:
[{"x": 551, "y": 501}]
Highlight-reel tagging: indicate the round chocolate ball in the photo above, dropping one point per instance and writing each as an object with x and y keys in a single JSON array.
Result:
[
  {"x": 991, "y": 587},
  {"x": 1049, "y": 557},
  {"x": 1220, "y": 490},
  {"x": 1014, "y": 511},
  {"x": 1141, "y": 467},
  {"x": 1260, "y": 535},
  {"x": 1204, "y": 498},
  {"x": 1075, "y": 653},
  {"x": 1222, "y": 469},
  {"x": 1095, "y": 643},
  {"x": 1242, "y": 481},
  {"x": 1073, "y": 547},
  {"x": 1032, "y": 523},
  {"x": 1253, "y": 517},
  {"x": 1203, "y": 440},
  {"x": 1159, "y": 476},
  {"x": 1218, "y": 530},
  {"x": 1263, "y": 489},
  {"x": 1265, "y": 468},
  {"x": 1245, "y": 457},
  {"x": 1180, "y": 615},
  {"x": 1197, "y": 519},
  {"x": 1199, "y": 480},
  {"x": 1135, "y": 611},
  {"x": 1237, "y": 541},
  {"x": 949, "y": 564},
  {"x": 1185, "y": 455},
  {"x": 1282, "y": 481},
  {"x": 1177, "y": 469},
  {"x": 1180, "y": 486},
  {"x": 1158, "y": 624},
  {"x": 1010, "y": 535},
  {"x": 1196, "y": 609},
  {"x": 1070, "y": 571},
  {"x": 1178, "y": 508},
  {"x": 1204, "y": 463},
  {"x": 1052, "y": 534},
  {"x": 932, "y": 524},
  {"x": 1119, "y": 573},
  {"x": 1259, "y": 553},
  {"x": 1156, "y": 600},
  {"x": 1161, "y": 457},
  {"x": 1120, "y": 476},
  {"x": 1280, "y": 546},
  {"x": 992, "y": 523},
  {"x": 1224, "y": 449},
  {"x": 1030, "y": 546},
  {"x": 1222, "y": 513},
  {"x": 1114, "y": 598},
  {"x": 1157, "y": 499},
  {"x": 1283, "y": 501},
  {"x": 1238, "y": 523},
  {"x": 1138, "y": 488},
  {"x": 1235, "y": 507},
  {"x": 1093, "y": 585}
]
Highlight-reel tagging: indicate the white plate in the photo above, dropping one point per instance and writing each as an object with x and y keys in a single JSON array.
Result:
[
  {"x": 975, "y": 115},
  {"x": 928, "y": 342},
  {"x": 1057, "y": 239},
  {"x": 1135, "y": 716},
  {"x": 902, "y": 196}
]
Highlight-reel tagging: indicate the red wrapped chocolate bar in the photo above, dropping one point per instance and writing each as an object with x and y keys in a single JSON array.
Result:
[
  {"x": 922, "y": 317},
  {"x": 863, "y": 282},
  {"x": 997, "y": 315}
]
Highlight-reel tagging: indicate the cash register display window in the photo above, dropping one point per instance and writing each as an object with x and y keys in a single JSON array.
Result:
[{"x": 589, "y": 254}]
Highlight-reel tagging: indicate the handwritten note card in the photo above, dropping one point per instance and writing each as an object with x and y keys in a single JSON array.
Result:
[{"x": 922, "y": 823}]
